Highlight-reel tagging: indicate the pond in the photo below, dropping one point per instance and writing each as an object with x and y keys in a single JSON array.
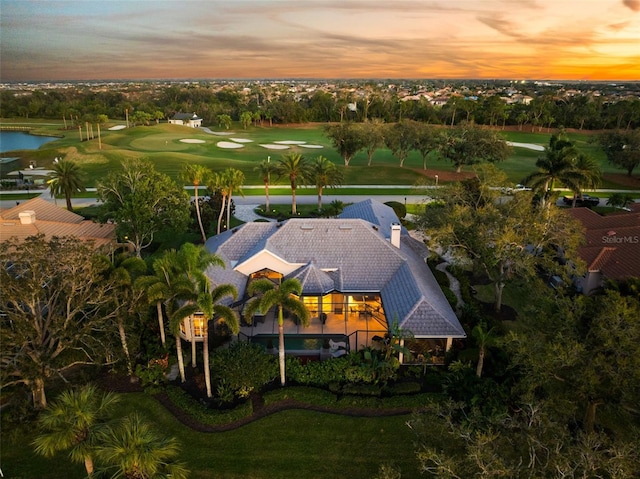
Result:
[{"x": 21, "y": 140}]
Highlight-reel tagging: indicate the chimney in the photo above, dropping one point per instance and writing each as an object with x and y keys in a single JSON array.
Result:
[
  {"x": 395, "y": 234},
  {"x": 27, "y": 217}
]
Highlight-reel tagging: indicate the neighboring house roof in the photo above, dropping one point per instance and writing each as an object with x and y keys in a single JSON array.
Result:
[
  {"x": 344, "y": 254},
  {"x": 37, "y": 216},
  {"x": 186, "y": 116},
  {"x": 612, "y": 242}
]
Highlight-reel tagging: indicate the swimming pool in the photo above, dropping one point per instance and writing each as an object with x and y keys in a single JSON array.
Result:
[{"x": 294, "y": 343}]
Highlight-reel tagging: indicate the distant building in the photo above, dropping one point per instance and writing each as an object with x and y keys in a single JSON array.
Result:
[{"x": 186, "y": 119}]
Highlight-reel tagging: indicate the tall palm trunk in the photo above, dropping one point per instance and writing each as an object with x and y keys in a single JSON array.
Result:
[
  {"x": 229, "y": 209},
  {"x": 222, "y": 206},
  {"x": 161, "y": 322},
  {"x": 125, "y": 347},
  {"x": 266, "y": 194},
  {"x": 205, "y": 357},
  {"x": 180, "y": 357},
  {"x": 281, "y": 346},
  {"x": 195, "y": 191},
  {"x": 194, "y": 352},
  {"x": 67, "y": 197},
  {"x": 480, "y": 365},
  {"x": 319, "y": 197},
  {"x": 294, "y": 210},
  {"x": 99, "y": 138}
]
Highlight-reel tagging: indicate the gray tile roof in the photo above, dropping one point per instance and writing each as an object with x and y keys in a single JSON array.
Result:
[
  {"x": 347, "y": 255},
  {"x": 313, "y": 280},
  {"x": 375, "y": 213}
]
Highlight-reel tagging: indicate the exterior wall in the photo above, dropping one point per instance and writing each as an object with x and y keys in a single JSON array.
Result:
[{"x": 592, "y": 281}]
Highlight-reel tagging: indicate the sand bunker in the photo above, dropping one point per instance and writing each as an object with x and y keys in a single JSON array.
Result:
[
  {"x": 241, "y": 140},
  {"x": 229, "y": 144},
  {"x": 190, "y": 140},
  {"x": 118, "y": 127},
  {"x": 529, "y": 146},
  {"x": 221, "y": 133},
  {"x": 271, "y": 146},
  {"x": 311, "y": 146},
  {"x": 290, "y": 142}
]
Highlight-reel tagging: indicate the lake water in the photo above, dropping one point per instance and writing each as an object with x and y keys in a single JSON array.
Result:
[{"x": 20, "y": 140}]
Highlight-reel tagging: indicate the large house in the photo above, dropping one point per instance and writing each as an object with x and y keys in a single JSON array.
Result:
[
  {"x": 39, "y": 217},
  {"x": 612, "y": 249},
  {"x": 187, "y": 119},
  {"x": 361, "y": 276}
]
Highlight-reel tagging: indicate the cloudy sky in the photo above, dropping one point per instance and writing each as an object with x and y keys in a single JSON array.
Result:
[{"x": 149, "y": 39}]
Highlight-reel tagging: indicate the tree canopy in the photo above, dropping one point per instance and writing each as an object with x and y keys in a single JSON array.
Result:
[
  {"x": 501, "y": 238},
  {"x": 59, "y": 310},
  {"x": 143, "y": 202}
]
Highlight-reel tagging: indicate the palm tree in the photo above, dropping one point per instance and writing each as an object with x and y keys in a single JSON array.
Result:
[
  {"x": 208, "y": 304},
  {"x": 589, "y": 173},
  {"x": 325, "y": 174},
  {"x": 133, "y": 450},
  {"x": 123, "y": 269},
  {"x": 265, "y": 169},
  {"x": 235, "y": 180},
  {"x": 283, "y": 297},
  {"x": 163, "y": 286},
  {"x": 67, "y": 178},
  {"x": 556, "y": 165},
  {"x": 73, "y": 422},
  {"x": 295, "y": 168},
  {"x": 220, "y": 182},
  {"x": 100, "y": 120},
  {"x": 196, "y": 175},
  {"x": 484, "y": 339},
  {"x": 619, "y": 200},
  {"x": 193, "y": 261}
]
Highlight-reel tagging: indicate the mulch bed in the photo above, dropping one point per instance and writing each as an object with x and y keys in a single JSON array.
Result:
[{"x": 124, "y": 384}]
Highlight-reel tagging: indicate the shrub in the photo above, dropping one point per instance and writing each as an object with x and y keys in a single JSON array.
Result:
[
  {"x": 303, "y": 394},
  {"x": 398, "y": 208},
  {"x": 409, "y": 387},
  {"x": 318, "y": 373},
  {"x": 242, "y": 368},
  {"x": 362, "y": 389},
  {"x": 451, "y": 297},
  {"x": 204, "y": 415},
  {"x": 152, "y": 378}
]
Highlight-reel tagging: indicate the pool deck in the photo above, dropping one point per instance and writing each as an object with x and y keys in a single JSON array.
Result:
[{"x": 335, "y": 324}]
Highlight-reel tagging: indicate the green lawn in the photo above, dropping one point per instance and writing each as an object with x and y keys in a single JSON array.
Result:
[
  {"x": 162, "y": 145},
  {"x": 295, "y": 443}
]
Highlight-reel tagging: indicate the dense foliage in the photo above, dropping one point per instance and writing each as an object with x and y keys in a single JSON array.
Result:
[{"x": 481, "y": 102}]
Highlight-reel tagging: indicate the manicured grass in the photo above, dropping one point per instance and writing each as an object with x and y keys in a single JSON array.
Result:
[
  {"x": 161, "y": 144},
  {"x": 295, "y": 443}
]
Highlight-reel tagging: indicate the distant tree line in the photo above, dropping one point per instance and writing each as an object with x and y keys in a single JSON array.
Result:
[{"x": 262, "y": 104}]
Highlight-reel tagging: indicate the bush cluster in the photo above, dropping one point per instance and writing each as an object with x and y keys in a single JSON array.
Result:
[{"x": 202, "y": 413}]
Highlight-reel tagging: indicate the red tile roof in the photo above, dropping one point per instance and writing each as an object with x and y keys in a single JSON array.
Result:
[
  {"x": 52, "y": 220},
  {"x": 612, "y": 242}
]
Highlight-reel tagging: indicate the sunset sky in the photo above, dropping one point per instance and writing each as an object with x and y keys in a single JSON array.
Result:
[{"x": 197, "y": 39}]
